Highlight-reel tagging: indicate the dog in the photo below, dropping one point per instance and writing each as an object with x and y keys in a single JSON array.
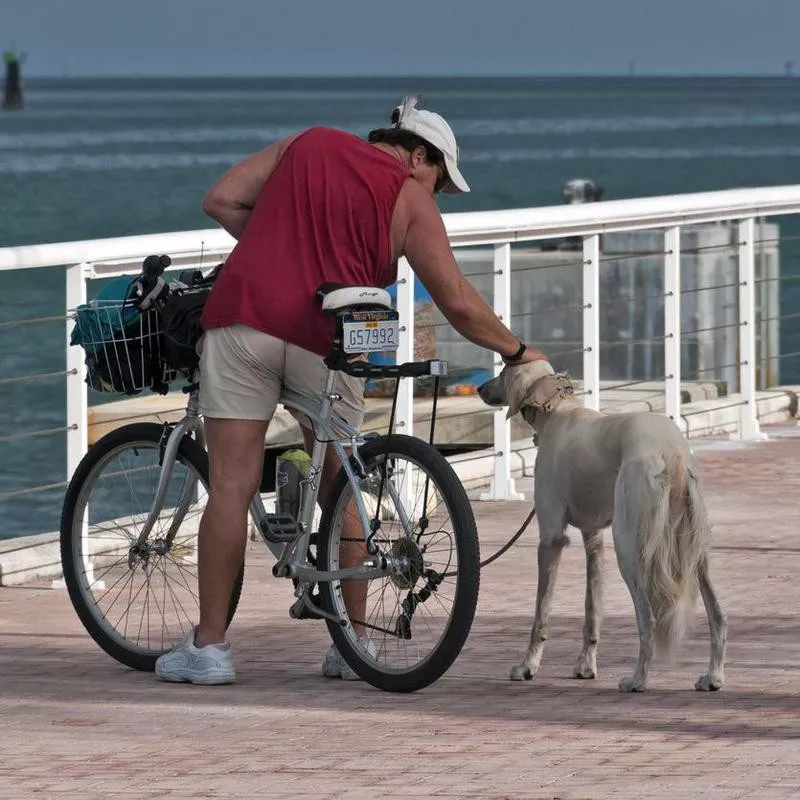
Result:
[{"x": 635, "y": 472}]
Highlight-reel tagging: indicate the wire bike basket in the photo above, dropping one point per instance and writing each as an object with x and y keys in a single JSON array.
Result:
[{"x": 122, "y": 346}]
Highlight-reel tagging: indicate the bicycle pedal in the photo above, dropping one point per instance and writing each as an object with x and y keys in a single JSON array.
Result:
[
  {"x": 279, "y": 528},
  {"x": 302, "y": 610}
]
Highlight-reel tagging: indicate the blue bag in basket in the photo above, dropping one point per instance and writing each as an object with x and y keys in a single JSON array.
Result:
[{"x": 121, "y": 343}]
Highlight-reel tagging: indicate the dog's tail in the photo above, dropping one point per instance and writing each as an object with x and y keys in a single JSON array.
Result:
[{"x": 673, "y": 537}]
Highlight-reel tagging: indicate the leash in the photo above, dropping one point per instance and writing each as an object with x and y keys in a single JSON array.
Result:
[
  {"x": 424, "y": 520},
  {"x": 510, "y": 541},
  {"x": 562, "y": 388}
]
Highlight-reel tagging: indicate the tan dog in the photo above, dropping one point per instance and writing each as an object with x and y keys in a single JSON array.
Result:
[{"x": 636, "y": 473}]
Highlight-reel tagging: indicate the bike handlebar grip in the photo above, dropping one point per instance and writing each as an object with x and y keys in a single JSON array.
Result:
[
  {"x": 155, "y": 265},
  {"x": 410, "y": 369},
  {"x": 420, "y": 369}
]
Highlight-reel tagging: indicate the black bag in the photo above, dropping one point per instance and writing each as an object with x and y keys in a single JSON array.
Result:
[
  {"x": 181, "y": 327},
  {"x": 129, "y": 363}
]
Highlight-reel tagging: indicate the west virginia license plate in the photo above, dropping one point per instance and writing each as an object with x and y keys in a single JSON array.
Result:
[{"x": 370, "y": 331}]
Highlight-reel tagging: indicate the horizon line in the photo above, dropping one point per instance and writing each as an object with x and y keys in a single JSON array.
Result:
[{"x": 417, "y": 75}]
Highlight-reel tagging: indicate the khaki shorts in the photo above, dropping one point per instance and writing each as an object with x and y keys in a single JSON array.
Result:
[{"x": 242, "y": 373}]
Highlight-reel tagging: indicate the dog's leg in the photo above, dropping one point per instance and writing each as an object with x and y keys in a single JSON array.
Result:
[
  {"x": 587, "y": 661},
  {"x": 549, "y": 555},
  {"x": 718, "y": 626},
  {"x": 625, "y": 530},
  {"x": 638, "y": 681}
]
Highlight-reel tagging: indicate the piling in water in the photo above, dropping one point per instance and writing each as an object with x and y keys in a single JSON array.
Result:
[{"x": 12, "y": 97}]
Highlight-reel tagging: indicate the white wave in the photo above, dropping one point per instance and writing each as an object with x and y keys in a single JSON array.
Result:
[
  {"x": 199, "y": 96},
  {"x": 66, "y": 162},
  {"x": 69, "y": 139},
  {"x": 104, "y": 112},
  {"x": 564, "y": 126},
  {"x": 626, "y": 124},
  {"x": 625, "y": 153},
  {"x": 13, "y": 163}
]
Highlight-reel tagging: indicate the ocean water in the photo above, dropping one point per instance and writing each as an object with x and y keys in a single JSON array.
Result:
[{"x": 100, "y": 158}]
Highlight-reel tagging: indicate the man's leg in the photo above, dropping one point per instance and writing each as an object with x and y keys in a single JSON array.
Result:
[
  {"x": 353, "y": 551},
  {"x": 240, "y": 382},
  {"x": 239, "y": 388},
  {"x": 306, "y": 372},
  {"x": 236, "y": 458}
]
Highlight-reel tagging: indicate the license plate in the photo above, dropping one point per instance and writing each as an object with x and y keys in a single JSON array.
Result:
[{"x": 370, "y": 331}]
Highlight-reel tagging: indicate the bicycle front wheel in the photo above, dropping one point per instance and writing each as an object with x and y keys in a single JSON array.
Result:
[
  {"x": 403, "y": 631},
  {"x": 135, "y": 598}
]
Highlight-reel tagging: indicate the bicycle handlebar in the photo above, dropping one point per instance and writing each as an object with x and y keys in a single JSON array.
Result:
[{"x": 363, "y": 369}]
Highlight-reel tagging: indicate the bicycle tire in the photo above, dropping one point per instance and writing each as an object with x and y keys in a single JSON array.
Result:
[
  {"x": 129, "y": 437},
  {"x": 465, "y": 537}
]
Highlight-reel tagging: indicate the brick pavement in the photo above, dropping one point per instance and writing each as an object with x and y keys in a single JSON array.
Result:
[{"x": 73, "y": 723}]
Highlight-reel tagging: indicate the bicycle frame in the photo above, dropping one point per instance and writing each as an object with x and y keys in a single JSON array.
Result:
[{"x": 330, "y": 428}]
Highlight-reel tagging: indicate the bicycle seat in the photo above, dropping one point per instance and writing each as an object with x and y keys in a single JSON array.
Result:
[{"x": 337, "y": 298}]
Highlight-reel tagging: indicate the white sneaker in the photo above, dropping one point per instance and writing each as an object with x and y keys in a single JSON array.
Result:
[
  {"x": 334, "y": 666},
  {"x": 212, "y": 664}
]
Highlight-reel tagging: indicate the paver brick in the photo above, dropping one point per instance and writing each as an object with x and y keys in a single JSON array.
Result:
[{"x": 74, "y": 723}]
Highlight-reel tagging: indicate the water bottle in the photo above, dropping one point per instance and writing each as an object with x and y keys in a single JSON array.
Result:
[{"x": 291, "y": 468}]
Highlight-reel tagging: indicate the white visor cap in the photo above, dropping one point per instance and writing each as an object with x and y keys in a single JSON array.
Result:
[{"x": 434, "y": 129}]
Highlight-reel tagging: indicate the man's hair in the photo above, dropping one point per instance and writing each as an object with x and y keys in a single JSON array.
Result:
[{"x": 408, "y": 141}]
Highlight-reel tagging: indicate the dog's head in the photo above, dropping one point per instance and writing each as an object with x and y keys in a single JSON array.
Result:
[{"x": 534, "y": 389}]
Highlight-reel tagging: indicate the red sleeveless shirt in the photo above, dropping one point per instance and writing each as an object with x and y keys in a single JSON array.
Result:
[{"x": 324, "y": 214}]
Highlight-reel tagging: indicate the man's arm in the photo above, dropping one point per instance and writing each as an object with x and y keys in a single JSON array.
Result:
[
  {"x": 428, "y": 251},
  {"x": 233, "y": 196}
]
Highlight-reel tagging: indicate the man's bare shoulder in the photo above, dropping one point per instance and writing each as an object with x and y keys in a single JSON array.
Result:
[
  {"x": 281, "y": 146},
  {"x": 416, "y": 201}
]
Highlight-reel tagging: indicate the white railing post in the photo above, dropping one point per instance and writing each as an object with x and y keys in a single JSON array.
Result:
[
  {"x": 502, "y": 486},
  {"x": 591, "y": 322},
  {"x": 748, "y": 411},
  {"x": 404, "y": 418},
  {"x": 672, "y": 323},
  {"x": 77, "y": 404}
]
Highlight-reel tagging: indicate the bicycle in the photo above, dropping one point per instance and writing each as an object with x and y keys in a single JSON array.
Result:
[{"x": 129, "y": 535}]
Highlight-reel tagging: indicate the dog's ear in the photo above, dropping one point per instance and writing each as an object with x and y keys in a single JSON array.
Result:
[
  {"x": 520, "y": 382},
  {"x": 533, "y": 397}
]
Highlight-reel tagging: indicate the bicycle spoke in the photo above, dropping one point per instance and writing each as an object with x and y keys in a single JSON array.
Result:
[
  {"x": 143, "y": 594},
  {"x": 408, "y": 612},
  {"x": 99, "y": 577},
  {"x": 131, "y": 599},
  {"x": 182, "y": 571},
  {"x": 126, "y": 578},
  {"x": 179, "y": 607}
]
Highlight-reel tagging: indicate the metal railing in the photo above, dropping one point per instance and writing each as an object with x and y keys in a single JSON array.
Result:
[{"x": 498, "y": 230}]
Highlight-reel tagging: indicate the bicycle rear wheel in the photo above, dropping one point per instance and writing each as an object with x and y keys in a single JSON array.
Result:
[
  {"x": 135, "y": 599},
  {"x": 403, "y": 631}
]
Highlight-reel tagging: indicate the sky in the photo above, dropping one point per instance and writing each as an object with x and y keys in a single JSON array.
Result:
[{"x": 406, "y": 37}]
